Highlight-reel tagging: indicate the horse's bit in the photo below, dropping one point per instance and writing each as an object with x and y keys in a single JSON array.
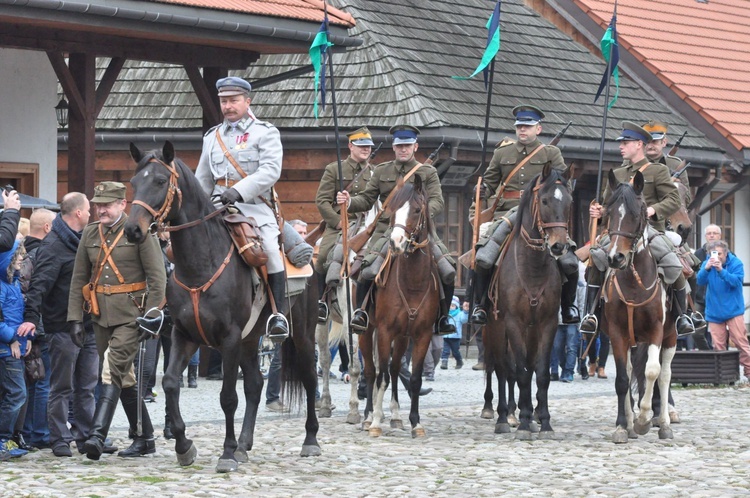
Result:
[{"x": 160, "y": 215}]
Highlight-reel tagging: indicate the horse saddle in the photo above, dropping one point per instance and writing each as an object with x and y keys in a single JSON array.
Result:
[{"x": 246, "y": 237}]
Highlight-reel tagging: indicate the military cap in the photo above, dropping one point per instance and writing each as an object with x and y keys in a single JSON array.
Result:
[
  {"x": 232, "y": 85},
  {"x": 107, "y": 192},
  {"x": 657, "y": 129},
  {"x": 404, "y": 134},
  {"x": 361, "y": 137},
  {"x": 631, "y": 131},
  {"x": 527, "y": 115}
]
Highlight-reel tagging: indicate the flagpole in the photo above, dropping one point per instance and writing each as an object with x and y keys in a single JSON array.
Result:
[{"x": 344, "y": 229}]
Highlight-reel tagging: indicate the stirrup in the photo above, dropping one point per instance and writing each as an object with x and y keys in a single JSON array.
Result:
[
  {"x": 450, "y": 329},
  {"x": 589, "y": 316},
  {"x": 277, "y": 337},
  {"x": 322, "y": 312},
  {"x": 690, "y": 322},
  {"x": 357, "y": 327},
  {"x": 479, "y": 315},
  {"x": 698, "y": 321}
]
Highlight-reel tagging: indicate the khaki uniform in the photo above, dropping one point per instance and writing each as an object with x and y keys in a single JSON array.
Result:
[
  {"x": 659, "y": 191},
  {"x": 325, "y": 200},
  {"x": 115, "y": 327}
]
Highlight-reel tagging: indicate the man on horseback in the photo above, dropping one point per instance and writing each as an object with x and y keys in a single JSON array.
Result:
[
  {"x": 514, "y": 164},
  {"x": 357, "y": 173},
  {"x": 239, "y": 164},
  {"x": 384, "y": 179},
  {"x": 662, "y": 200}
]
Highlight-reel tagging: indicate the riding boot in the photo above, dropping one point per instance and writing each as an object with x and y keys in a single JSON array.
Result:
[
  {"x": 193, "y": 376},
  {"x": 143, "y": 444},
  {"x": 105, "y": 410},
  {"x": 405, "y": 377},
  {"x": 445, "y": 326},
  {"x": 591, "y": 321},
  {"x": 684, "y": 324},
  {"x": 481, "y": 286},
  {"x": 322, "y": 305},
  {"x": 568, "y": 300},
  {"x": 277, "y": 328},
  {"x": 360, "y": 319}
]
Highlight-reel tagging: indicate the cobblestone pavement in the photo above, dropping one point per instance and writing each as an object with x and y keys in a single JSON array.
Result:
[{"x": 461, "y": 456}]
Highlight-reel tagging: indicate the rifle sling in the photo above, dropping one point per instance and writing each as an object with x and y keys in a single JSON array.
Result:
[{"x": 512, "y": 174}]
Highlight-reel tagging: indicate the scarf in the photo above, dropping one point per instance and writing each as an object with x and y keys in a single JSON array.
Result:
[{"x": 68, "y": 236}]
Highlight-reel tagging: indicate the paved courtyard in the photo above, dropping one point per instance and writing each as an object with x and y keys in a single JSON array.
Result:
[{"x": 461, "y": 456}]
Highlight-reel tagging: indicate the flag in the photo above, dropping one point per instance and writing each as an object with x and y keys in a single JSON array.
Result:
[
  {"x": 609, "y": 47},
  {"x": 492, "y": 47},
  {"x": 318, "y": 51}
]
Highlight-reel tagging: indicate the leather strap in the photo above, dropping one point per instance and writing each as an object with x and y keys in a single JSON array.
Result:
[
  {"x": 229, "y": 157},
  {"x": 120, "y": 289},
  {"x": 107, "y": 250},
  {"x": 392, "y": 193},
  {"x": 641, "y": 170}
]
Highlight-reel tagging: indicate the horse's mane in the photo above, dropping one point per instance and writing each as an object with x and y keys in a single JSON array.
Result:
[
  {"x": 633, "y": 202},
  {"x": 553, "y": 177}
]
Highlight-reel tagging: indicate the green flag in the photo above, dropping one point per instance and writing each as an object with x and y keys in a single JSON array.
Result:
[
  {"x": 318, "y": 50},
  {"x": 492, "y": 47}
]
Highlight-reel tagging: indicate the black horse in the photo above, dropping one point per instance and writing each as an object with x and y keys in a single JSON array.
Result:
[{"x": 210, "y": 296}]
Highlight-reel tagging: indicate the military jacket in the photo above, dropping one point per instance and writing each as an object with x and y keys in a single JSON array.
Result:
[
  {"x": 674, "y": 163},
  {"x": 506, "y": 158},
  {"x": 256, "y": 147},
  {"x": 659, "y": 191},
  {"x": 325, "y": 199},
  {"x": 135, "y": 262}
]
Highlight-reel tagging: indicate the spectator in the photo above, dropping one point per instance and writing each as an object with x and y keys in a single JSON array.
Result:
[
  {"x": 434, "y": 352},
  {"x": 24, "y": 226},
  {"x": 722, "y": 274},
  {"x": 568, "y": 338},
  {"x": 452, "y": 342},
  {"x": 9, "y": 220},
  {"x": 702, "y": 338}
]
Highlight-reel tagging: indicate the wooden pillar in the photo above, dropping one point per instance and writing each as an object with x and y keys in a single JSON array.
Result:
[
  {"x": 210, "y": 76},
  {"x": 82, "y": 126}
]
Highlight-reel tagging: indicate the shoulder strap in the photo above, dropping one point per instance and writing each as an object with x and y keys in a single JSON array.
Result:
[
  {"x": 107, "y": 257},
  {"x": 641, "y": 169},
  {"x": 515, "y": 170},
  {"x": 229, "y": 157}
]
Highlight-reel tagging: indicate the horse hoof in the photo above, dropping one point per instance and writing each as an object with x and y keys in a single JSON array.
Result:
[
  {"x": 665, "y": 433},
  {"x": 523, "y": 435},
  {"x": 353, "y": 418},
  {"x": 418, "y": 432},
  {"x": 324, "y": 413},
  {"x": 620, "y": 436},
  {"x": 188, "y": 457},
  {"x": 534, "y": 427},
  {"x": 240, "y": 456},
  {"x": 226, "y": 465},
  {"x": 375, "y": 431},
  {"x": 397, "y": 424},
  {"x": 641, "y": 428},
  {"x": 513, "y": 420},
  {"x": 309, "y": 450},
  {"x": 547, "y": 435},
  {"x": 487, "y": 413},
  {"x": 632, "y": 434},
  {"x": 366, "y": 425},
  {"x": 674, "y": 418},
  {"x": 502, "y": 428},
  {"x": 655, "y": 422}
]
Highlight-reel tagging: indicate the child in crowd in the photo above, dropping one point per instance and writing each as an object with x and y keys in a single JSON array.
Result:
[{"x": 452, "y": 342}]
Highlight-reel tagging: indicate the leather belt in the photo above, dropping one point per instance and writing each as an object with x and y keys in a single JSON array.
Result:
[
  {"x": 225, "y": 182},
  {"x": 512, "y": 194},
  {"x": 120, "y": 289}
]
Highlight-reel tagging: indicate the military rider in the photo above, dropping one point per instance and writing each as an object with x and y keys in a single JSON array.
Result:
[
  {"x": 382, "y": 182},
  {"x": 240, "y": 163},
  {"x": 504, "y": 170},
  {"x": 662, "y": 200},
  {"x": 355, "y": 170}
]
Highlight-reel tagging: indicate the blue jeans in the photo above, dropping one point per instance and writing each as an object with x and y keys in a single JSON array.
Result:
[
  {"x": 565, "y": 349},
  {"x": 451, "y": 346},
  {"x": 273, "y": 388},
  {"x": 13, "y": 387},
  {"x": 35, "y": 427}
]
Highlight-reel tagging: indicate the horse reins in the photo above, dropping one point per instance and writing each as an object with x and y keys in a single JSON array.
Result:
[
  {"x": 541, "y": 226},
  {"x": 172, "y": 190}
]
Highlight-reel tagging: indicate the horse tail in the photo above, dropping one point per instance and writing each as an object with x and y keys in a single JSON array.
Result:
[
  {"x": 335, "y": 334},
  {"x": 292, "y": 389},
  {"x": 638, "y": 359}
]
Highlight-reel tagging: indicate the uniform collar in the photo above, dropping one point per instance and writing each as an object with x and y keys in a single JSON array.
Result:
[
  {"x": 404, "y": 167},
  {"x": 529, "y": 147},
  {"x": 243, "y": 124},
  {"x": 355, "y": 165},
  {"x": 639, "y": 164},
  {"x": 117, "y": 225}
]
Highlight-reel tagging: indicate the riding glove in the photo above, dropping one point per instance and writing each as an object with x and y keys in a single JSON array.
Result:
[
  {"x": 77, "y": 333},
  {"x": 230, "y": 196}
]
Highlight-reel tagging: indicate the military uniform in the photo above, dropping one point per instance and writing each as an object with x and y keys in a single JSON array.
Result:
[{"x": 132, "y": 280}]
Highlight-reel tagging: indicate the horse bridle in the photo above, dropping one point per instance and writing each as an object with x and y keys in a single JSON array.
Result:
[
  {"x": 540, "y": 244},
  {"x": 634, "y": 237},
  {"x": 172, "y": 190},
  {"x": 414, "y": 244}
]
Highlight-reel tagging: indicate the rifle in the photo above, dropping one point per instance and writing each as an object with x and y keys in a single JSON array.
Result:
[
  {"x": 357, "y": 242},
  {"x": 487, "y": 214},
  {"x": 676, "y": 145},
  {"x": 683, "y": 166},
  {"x": 375, "y": 152}
]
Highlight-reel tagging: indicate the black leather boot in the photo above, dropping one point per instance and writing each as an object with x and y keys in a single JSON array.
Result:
[
  {"x": 568, "y": 300},
  {"x": 445, "y": 326},
  {"x": 591, "y": 321},
  {"x": 105, "y": 410},
  {"x": 360, "y": 319},
  {"x": 322, "y": 305},
  {"x": 277, "y": 328},
  {"x": 193, "y": 376},
  {"x": 684, "y": 324},
  {"x": 143, "y": 444},
  {"x": 481, "y": 286}
]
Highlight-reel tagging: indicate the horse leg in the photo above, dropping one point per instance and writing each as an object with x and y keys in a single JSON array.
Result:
[
  {"x": 230, "y": 355},
  {"x": 487, "y": 411},
  {"x": 525, "y": 405},
  {"x": 642, "y": 423},
  {"x": 624, "y": 423},
  {"x": 542, "y": 387},
  {"x": 366, "y": 341},
  {"x": 179, "y": 357},
  {"x": 381, "y": 382},
  {"x": 353, "y": 417},
  {"x": 665, "y": 378},
  {"x": 324, "y": 357},
  {"x": 397, "y": 364},
  {"x": 421, "y": 346},
  {"x": 252, "y": 382},
  {"x": 502, "y": 426}
]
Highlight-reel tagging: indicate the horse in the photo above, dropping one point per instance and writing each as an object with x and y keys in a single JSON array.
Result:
[
  {"x": 206, "y": 294},
  {"x": 406, "y": 296},
  {"x": 635, "y": 310},
  {"x": 521, "y": 329},
  {"x": 681, "y": 220}
]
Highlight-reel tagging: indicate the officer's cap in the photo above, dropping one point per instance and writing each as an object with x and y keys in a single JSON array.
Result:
[
  {"x": 527, "y": 115},
  {"x": 657, "y": 129},
  {"x": 232, "y": 85},
  {"x": 361, "y": 137},
  {"x": 404, "y": 134},
  {"x": 107, "y": 192},
  {"x": 631, "y": 131}
]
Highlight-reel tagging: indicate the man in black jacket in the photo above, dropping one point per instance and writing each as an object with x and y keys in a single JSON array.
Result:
[
  {"x": 75, "y": 371},
  {"x": 9, "y": 220}
]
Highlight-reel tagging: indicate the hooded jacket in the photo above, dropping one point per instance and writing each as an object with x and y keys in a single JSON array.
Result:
[
  {"x": 724, "y": 299},
  {"x": 12, "y": 304}
]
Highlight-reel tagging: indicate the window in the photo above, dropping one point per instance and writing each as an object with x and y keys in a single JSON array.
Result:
[
  {"x": 450, "y": 227},
  {"x": 722, "y": 215}
]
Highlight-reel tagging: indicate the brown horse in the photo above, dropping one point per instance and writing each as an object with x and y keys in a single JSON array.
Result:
[
  {"x": 681, "y": 221},
  {"x": 406, "y": 308},
  {"x": 210, "y": 296},
  {"x": 526, "y": 292},
  {"x": 635, "y": 310}
]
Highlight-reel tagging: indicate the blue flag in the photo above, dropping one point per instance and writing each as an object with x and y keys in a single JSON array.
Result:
[
  {"x": 492, "y": 47},
  {"x": 611, "y": 53},
  {"x": 318, "y": 51}
]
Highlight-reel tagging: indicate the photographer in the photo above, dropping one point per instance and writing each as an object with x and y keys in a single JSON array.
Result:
[
  {"x": 9, "y": 218},
  {"x": 722, "y": 273}
]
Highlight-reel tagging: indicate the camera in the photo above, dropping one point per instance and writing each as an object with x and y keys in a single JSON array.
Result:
[
  {"x": 9, "y": 188},
  {"x": 714, "y": 254}
]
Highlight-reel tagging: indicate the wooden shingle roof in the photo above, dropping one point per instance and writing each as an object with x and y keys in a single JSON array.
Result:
[{"x": 402, "y": 73}]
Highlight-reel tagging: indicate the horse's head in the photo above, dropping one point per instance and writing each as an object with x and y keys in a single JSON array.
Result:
[
  {"x": 680, "y": 221},
  {"x": 626, "y": 211},
  {"x": 154, "y": 190},
  {"x": 409, "y": 216},
  {"x": 549, "y": 199}
]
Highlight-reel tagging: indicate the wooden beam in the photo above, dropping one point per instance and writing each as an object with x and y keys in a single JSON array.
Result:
[
  {"x": 210, "y": 76},
  {"x": 107, "y": 82},
  {"x": 207, "y": 100},
  {"x": 82, "y": 132},
  {"x": 68, "y": 83}
]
